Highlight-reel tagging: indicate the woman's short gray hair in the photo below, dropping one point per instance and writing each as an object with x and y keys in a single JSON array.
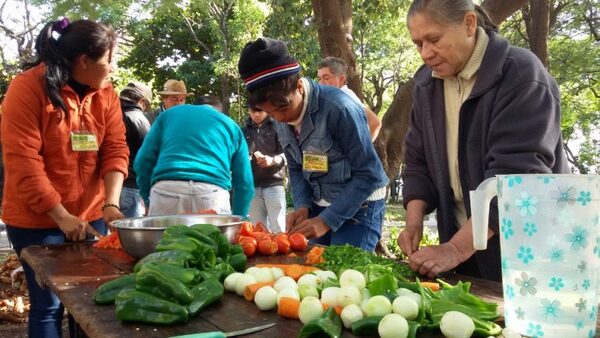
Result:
[{"x": 451, "y": 12}]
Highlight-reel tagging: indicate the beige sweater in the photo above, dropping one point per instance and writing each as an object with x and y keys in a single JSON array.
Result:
[{"x": 456, "y": 90}]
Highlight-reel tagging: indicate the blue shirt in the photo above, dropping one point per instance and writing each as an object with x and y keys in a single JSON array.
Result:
[
  {"x": 196, "y": 143},
  {"x": 333, "y": 125}
]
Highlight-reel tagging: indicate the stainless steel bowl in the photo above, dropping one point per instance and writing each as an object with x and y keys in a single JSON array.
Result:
[{"x": 139, "y": 235}]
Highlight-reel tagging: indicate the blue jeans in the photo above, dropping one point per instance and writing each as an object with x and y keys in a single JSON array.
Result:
[
  {"x": 46, "y": 311},
  {"x": 363, "y": 230},
  {"x": 131, "y": 203},
  {"x": 268, "y": 206}
]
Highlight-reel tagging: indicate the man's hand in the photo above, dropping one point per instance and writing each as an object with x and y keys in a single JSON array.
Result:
[
  {"x": 311, "y": 228},
  {"x": 433, "y": 260},
  {"x": 409, "y": 239},
  {"x": 264, "y": 161},
  {"x": 295, "y": 218}
]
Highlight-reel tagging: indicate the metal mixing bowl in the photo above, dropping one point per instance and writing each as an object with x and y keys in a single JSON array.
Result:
[{"x": 139, "y": 235}]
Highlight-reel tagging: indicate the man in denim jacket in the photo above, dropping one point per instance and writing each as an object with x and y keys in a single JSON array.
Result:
[{"x": 338, "y": 182}]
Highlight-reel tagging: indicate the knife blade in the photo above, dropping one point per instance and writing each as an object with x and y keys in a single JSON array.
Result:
[{"x": 219, "y": 334}]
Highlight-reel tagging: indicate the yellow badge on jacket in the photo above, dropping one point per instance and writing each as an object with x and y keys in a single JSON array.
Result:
[
  {"x": 84, "y": 141},
  {"x": 314, "y": 162}
]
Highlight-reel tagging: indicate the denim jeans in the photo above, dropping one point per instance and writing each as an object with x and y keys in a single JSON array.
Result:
[
  {"x": 46, "y": 311},
  {"x": 187, "y": 197},
  {"x": 268, "y": 207},
  {"x": 131, "y": 203},
  {"x": 363, "y": 230}
]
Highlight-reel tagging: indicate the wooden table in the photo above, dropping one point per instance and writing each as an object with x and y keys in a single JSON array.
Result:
[{"x": 74, "y": 271}]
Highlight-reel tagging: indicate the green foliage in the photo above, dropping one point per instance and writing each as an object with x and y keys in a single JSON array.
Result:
[{"x": 429, "y": 238}]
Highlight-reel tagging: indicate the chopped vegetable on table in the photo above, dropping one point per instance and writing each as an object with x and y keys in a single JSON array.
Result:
[{"x": 109, "y": 242}]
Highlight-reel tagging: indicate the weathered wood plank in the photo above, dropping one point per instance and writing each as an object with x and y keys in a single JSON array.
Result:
[{"x": 74, "y": 271}]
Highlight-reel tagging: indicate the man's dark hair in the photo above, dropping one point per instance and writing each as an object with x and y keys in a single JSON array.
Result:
[
  {"x": 276, "y": 92},
  {"x": 211, "y": 100}
]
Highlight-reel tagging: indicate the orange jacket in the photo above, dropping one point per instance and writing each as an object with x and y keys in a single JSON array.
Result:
[{"x": 41, "y": 169}]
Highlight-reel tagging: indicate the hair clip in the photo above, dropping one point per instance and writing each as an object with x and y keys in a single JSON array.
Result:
[{"x": 59, "y": 28}]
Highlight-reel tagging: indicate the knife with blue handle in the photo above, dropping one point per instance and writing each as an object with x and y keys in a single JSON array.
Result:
[{"x": 218, "y": 334}]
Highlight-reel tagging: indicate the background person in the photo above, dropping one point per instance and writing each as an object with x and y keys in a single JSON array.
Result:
[
  {"x": 333, "y": 72},
  {"x": 268, "y": 169},
  {"x": 190, "y": 160},
  {"x": 135, "y": 100},
  {"x": 65, "y": 153},
  {"x": 174, "y": 93},
  {"x": 509, "y": 112},
  {"x": 210, "y": 100},
  {"x": 338, "y": 182}
]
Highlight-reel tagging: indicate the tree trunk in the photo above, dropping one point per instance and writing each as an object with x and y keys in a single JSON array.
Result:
[
  {"x": 537, "y": 21},
  {"x": 500, "y": 10},
  {"x": 390, "y": 142},
  {"x": 334, "y": 26}
]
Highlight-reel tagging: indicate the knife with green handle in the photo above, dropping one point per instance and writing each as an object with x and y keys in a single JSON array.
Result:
[{"x": 218, "y": 334}]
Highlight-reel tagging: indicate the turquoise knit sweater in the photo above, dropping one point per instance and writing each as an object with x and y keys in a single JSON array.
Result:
[{"x": 196, "y": 143}]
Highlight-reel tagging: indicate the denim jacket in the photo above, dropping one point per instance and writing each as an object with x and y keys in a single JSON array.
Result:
[{"x": 334, "y": 125}]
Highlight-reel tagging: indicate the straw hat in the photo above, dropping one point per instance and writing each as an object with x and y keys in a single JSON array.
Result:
[{"x": 174, "y": 87}]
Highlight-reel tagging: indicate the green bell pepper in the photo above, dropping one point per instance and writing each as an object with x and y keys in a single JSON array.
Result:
[
  {"x": 107, "y": 292},
  {"x": 136, "y": 306},
  {"x": 205, "y": 293},
  {"x": 175, "y": 257},
  {"x": 177, "y": 243},
  {"x": 221, "y": 271},
  {"x": 152, "y": 290},
  {"x": 171, "y": 287},
  {"x": 329, "y": 324},
  {"x": 189, "y": 276},
  {"x": 222, "y": 244},
  {"x": 236, "y": 249},
  {"x": 238, "y": 261},
  {"x": 185, "y": 231}
]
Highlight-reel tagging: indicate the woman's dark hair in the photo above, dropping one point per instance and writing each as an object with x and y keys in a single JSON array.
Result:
[
  {"x": 276, "y": 92},
  {"x": 60, "y": 42},
  {"x": 452, "y": 12}
]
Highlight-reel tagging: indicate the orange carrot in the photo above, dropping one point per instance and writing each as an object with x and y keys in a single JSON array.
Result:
[
  {"x": 292, "y": 254},
  {"x": 109, "y": 242},
  {"x": 315, "y": 255},
  {"x": 288, "y": 307},
  {"x": 338, "y": 309},
  {"x": 291, "y": 270},
  {"x": 250, "y": 290},
  {"x": 433, "y": 286}
]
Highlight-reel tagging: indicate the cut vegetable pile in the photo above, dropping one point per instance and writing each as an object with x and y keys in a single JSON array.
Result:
[{"x": 372, "y": 299}]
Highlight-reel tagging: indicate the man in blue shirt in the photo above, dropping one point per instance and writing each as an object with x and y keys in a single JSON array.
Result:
[
  {"x": 190, "y": 159},
  {"x": 338, "y": 182}
]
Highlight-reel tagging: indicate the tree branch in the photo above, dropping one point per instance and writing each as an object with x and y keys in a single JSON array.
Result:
[{"x": 188, "y": 22}]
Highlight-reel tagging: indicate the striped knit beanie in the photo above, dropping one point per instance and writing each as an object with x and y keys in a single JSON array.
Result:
[{"x": 264, "y": 61}]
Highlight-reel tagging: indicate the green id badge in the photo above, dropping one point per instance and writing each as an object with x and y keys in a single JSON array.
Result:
[
  {"x": 314, "y": 162},
  {"x": 83, "y": 141}
]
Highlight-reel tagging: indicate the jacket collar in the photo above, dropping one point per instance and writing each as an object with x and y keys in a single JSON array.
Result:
[
  {"x": 249, "y": 123},
  {"x": 492, "y": 63}
]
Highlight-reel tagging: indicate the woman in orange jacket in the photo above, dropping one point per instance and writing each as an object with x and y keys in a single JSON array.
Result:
[{"x": 64, "y": 150}]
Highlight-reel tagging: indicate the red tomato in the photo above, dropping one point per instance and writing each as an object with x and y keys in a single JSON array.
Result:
[
  {"x": 259, "y": 226},
  {"x": 246, "y": 229},
  {"x": 249, "y": 247},
  {"x": 260, "y": 235},
  {"x": 298, "y": 242},
  {"x": 283, "y": 243},
  {"x": 248, "y": 239},
  {"x": 267, "y": 247}
]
